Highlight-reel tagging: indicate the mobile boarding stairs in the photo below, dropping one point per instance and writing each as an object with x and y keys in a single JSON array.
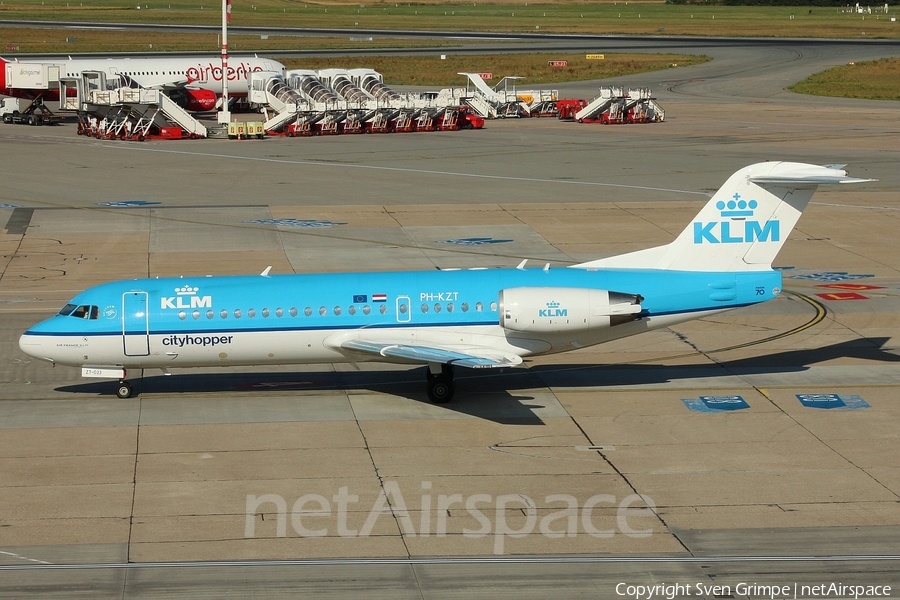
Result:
[{"x": 117, "y": 108}]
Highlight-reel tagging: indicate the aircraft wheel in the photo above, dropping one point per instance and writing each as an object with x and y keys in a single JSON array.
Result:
[
  {"x": 440, "y": 389},
  {"x": 124, "y": 390}
]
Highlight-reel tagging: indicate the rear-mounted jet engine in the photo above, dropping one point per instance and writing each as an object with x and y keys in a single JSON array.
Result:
[{"x": 558, "y": 309}]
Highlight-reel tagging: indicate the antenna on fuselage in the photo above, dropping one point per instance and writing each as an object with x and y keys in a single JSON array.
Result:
[{"x": 266, "y": 272}]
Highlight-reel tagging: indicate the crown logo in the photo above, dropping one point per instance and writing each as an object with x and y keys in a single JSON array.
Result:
[
  {"x": 553, "y": 304},
  {"x": 737, "y": 208},
  {"x": 186, "y": 290}
]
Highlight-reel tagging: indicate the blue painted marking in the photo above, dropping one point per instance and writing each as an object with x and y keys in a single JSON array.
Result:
[
  {"x": 830, "y": 276},
  {"x": 820, "y": 400},
  {"x": 296, "y": 222},
  {"x": 724, "y": 402},
  {"x": 10, "y": 206},
  {"x": 476, "y": 241},
  {"x": 854, "y": 402},
  {"x": 832, "y": 401},
  {"x": 714, "y": 404},
  {"x": 127, "y": 203}
]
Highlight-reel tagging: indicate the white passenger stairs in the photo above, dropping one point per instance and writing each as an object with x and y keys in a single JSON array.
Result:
[
  {"x": 372, "y": 83},
  {"x": 341, "y": 81},
  {"x": 120, "y": 111},
  {"x": 615, "y": 105},
  {"x": 168, "y": 108},
  {"x": 311, "y": 87},
  {"x": 482, "y": 106},
  {"x": 641, "y": 107},
  {"x": 598, "y": 105},
  {"x": 269, "y": 89},
  {"x": 495, "y": 102}
]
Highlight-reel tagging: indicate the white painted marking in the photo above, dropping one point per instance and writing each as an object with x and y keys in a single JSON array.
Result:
[
  {"x": 403, "y": 170},
  {"x": 855, "y": 206},
  {"x": 20, "y": 557}
]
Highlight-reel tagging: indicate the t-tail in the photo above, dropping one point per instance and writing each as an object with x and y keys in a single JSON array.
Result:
[{"x": 743, "y": 226}]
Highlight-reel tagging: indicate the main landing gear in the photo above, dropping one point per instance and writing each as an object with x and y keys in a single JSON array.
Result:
[{"x": 440, "y": 383}]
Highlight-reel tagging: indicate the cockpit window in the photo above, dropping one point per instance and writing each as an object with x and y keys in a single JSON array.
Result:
[
  {"x": 67, "y": 310},
  {"x": 85, "y": 312}
]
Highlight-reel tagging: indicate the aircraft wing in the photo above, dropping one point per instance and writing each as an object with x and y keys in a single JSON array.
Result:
[{"x": 476, "y": 358}]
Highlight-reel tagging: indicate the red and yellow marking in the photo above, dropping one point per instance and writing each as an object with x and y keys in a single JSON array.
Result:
[
  {"x": 842, "y": 296},
  {"x": 858, "y": 287}
]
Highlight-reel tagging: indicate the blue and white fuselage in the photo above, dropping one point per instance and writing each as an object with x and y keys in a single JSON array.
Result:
[
  {"x": 474, "y": 318},
  {"x": 285, "y": 319}
]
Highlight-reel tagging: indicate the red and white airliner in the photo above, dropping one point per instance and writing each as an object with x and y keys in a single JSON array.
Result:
[{"x": 196, "y": 80}]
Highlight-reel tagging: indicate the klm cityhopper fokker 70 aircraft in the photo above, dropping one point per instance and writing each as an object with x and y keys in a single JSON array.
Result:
[{"x": 444, "y": 319}]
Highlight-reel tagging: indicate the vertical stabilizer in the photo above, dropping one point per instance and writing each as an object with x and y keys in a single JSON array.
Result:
[{"x": 743, "y": 226}]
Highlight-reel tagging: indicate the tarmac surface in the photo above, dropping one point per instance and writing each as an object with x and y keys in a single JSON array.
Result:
[{"x": 207, "y": 467}]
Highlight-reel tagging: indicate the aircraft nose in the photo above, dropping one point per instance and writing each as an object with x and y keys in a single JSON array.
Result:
[{"x": 34, "y": 346}]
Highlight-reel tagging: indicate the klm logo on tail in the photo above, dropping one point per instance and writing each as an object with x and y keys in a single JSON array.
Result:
[{"x": 740, "y": 226}]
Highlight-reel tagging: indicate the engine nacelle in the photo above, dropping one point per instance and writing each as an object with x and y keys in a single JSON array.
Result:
[
  {"x": 557, "y": 309},
  {"x": 199, "y": 100}
]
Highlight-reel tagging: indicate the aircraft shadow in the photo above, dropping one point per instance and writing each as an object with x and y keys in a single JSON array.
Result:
[{"x": 488, "y": 394}]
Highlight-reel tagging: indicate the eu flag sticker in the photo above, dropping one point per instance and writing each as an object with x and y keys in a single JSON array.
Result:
[{"x": 360, "y": 298}]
